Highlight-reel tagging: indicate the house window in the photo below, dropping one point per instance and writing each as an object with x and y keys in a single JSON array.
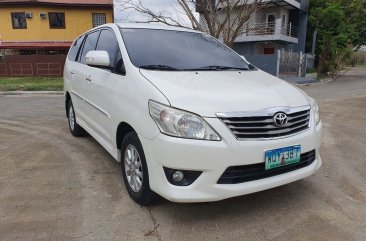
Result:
[
  {"x": 19, "y": 21},
  {"x": 57, "y": 20},
  {"x": 98, "y": 19}
]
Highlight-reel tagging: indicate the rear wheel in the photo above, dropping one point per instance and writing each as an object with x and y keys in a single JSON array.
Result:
[
  {"x": 75, "y": 129},
  {"x": 134, "y": 170}
]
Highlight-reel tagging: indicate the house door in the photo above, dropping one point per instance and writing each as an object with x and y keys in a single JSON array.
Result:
[{"x": 271, "y": 21}]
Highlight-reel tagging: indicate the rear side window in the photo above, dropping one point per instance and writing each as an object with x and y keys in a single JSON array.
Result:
[
  {"x": 108, "y": 42},
  {"x": 75, "y": 48},
  {"x": 89, "y": 44}
]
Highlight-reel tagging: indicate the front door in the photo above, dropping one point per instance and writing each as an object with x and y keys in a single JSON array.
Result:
[
  {"x": 90, "y": 110},
  {"x": 271, "y": 21}
]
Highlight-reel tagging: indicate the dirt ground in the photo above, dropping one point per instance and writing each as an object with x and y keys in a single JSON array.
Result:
[{"x": 57, "y": 187}]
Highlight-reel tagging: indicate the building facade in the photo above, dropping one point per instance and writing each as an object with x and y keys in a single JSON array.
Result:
[
  {"x": 274, "y": 36},
  {"x": 35, "y": 35},
  {"x": 281, "y": 24}
]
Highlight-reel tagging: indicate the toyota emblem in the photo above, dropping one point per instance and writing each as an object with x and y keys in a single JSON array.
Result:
[{"x": 280, "y": 119}]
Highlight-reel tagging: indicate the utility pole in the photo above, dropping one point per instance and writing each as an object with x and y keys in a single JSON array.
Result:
[{"x": 314, "y": 42}]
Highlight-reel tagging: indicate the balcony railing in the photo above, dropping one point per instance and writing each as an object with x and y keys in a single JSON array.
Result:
[
  {"x": 275, "y": 28},
  {"x": 290, "y": 2}
]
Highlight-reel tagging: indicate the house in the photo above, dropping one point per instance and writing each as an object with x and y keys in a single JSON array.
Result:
[
  {"x": 276, "y": 25},
  {"x": 281, "y": 24},
  {"x": 35, "y": 35}
]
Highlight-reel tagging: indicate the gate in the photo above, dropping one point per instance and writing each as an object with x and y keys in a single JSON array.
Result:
[
  {"x": 291, "y": 63},
  {"x": 32, "y": 65}
]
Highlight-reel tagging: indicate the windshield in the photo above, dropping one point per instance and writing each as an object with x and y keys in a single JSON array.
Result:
[{"x": 178, "y": 50}]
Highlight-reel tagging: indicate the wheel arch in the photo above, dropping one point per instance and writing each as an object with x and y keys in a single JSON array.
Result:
[
  {"x": 67, "y": 99},
  {"x": 122, "y": 129}
]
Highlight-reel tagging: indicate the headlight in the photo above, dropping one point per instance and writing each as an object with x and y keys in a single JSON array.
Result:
[
  {"x": 316, "y": 112},
  {"x": 180, "y": 123}
]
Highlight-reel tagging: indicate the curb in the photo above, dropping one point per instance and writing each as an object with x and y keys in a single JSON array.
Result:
[
  {"x": 326, "y": 80},
  {"x": 305, "y": 84},
  {"x": 30, "y": 93},
  {"x": 337, "y": 76},
  {"x": 320, "y": 82}
]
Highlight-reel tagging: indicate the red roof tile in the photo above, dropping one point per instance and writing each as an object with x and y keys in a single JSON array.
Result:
[
  {"x": 35, "y": 44},
  {"x": 78, "y": 1},
  {"x": 66, "y": 2}
]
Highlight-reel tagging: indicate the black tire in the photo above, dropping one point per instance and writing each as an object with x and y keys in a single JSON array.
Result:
[
  {"x": 143, "y": 196},
  {"x": 75, "y": 129}
]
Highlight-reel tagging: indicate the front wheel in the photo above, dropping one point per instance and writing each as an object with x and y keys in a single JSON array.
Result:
[{"x": 134, "y": 170}]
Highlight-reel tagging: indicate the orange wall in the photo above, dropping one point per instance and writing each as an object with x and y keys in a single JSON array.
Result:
[{"x": 78, "y": 20}]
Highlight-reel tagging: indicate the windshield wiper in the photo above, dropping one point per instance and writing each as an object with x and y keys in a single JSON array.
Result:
[
  {"x": 210, "y": 67},
  {"x": 158, "y": 66},
  {"x": 219, "y": 67}
]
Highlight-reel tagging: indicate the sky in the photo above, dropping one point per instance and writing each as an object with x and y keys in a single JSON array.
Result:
[{"x": 170, "y": 7}]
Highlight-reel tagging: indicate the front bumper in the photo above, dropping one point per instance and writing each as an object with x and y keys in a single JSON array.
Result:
[{"x": 214, "y": 157}]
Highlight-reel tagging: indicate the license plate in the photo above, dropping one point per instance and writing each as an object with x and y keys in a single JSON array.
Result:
[{"x": 282, "y": 156}]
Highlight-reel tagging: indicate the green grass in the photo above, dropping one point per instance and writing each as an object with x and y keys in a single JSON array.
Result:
[{"x": 31, "y": 83}]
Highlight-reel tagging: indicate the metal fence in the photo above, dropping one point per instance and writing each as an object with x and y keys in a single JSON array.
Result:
[
  {"x": 32, "y": 65},
  {"x": 283, "y": 62},
  {"x": 273, "y": 28},
  {"x": 289, "y": 63}
]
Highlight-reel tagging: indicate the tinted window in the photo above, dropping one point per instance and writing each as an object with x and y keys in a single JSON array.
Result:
[
  {"x": 178, "y": 49},
  {"x": 57, "y": 20},
  {"x": 75, "y": 48},
  {"x": 108, "y": 42},
  {"x": 89, "y": 44}
]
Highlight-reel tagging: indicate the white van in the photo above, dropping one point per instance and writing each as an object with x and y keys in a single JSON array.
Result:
[{"x": 188, "y": 118}]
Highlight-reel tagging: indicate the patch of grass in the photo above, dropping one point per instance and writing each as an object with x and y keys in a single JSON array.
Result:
[
  {"x": 31, "y": 83},
  {"x": 310, "y": 70}
]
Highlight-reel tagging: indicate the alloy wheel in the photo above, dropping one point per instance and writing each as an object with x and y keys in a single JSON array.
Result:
[
  {"x": 133, "y": 168},
  {"x": 71, "y": 118}
]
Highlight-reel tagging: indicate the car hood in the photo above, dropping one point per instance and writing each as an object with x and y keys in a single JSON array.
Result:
[{"x": 209, "y": 92}]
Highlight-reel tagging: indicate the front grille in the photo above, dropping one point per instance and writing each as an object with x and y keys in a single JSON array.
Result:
[
  {"x": 264, "y": 127},
  {"x": 247, "y": 173}
]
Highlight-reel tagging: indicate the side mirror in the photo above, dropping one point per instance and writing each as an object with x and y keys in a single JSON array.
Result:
[{"x": 97, "y": 58}]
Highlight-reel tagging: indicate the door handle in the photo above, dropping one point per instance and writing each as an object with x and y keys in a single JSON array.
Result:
[
  {"x": 88, "y": 78},
  {"x": 72, "y": 72}
]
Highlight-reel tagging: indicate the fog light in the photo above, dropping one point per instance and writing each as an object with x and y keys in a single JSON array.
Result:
[
  {"x": 181, "y": 177},
  {"x": 178, "y": 176}
]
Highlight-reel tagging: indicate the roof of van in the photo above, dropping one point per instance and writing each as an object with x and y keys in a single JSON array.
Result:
[
  {"x": 143, "y": 26},
  {"x": 153, "y": 26}
]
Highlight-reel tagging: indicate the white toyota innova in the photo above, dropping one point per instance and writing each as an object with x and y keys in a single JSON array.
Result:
[{"x": 188, "y": 118}]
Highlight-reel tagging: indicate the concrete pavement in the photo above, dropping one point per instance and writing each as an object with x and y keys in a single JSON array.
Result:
[{"x": 57, "y": 187}]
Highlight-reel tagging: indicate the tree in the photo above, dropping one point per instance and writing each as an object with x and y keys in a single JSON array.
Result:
[
  {"x": 341, "y": 28},
  {"x": 224, "y": 19},
  {"x": 356, "y": 13}
]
